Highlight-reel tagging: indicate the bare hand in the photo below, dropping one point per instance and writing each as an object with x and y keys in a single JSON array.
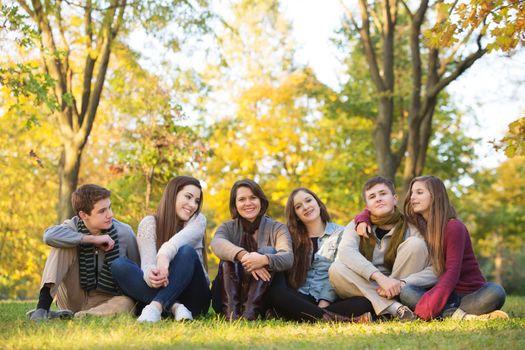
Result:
[
  {"x": 388, "y": 287},
  {"x": 254, "y": 261},
  {"x": 261, "y": 274},
  {"x": 157, "y": 279},
  {"x": 363, "y": 229},
  {"x": 103, "y": 242},
  {"x": 323, "y": 303}
]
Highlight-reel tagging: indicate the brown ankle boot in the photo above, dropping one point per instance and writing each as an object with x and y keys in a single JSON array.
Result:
[
  {"x": 231, "y": 285},
  {"x": 329, "y": 316},
  {"x": 253, "y": 305}
]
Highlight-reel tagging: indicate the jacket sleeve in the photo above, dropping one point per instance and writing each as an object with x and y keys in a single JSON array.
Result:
[
  {"x": 132, "y": 250},
  {"x": 283, "y": 258},
  {"x": 433, "y": 301},
  {"x": 221, "y": 243},
  {"x": 348, "y": 253},
  {"x": 64, "y": 235},
  {"x": 191, "y": 235},
  {"x": 363, "y": 216}
]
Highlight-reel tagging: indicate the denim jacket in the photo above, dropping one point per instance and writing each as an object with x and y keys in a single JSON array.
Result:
[{"x": 317, "y": 283}]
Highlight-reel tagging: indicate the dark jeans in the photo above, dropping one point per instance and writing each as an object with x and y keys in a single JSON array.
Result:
[
  {"x": 293, "y": 305},
  {"x": 490, "y": 297},
  {"x": 187, "y": 282}
]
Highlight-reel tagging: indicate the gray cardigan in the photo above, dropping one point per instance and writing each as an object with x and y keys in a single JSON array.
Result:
[{"x": 227, "y": 239}]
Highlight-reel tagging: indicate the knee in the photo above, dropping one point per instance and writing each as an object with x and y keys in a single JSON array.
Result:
[
  {"x": 416, "y": 247},
  {"x": 497, "y": 293},
  {"x": 187, "y": 252},
  {"x": 119, "y": 265},
  {"x": 266, "y": 250},
  {"x": 335, "y": 274}
]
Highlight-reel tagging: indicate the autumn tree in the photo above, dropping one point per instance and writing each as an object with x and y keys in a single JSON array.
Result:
[{"x": 440, "y": 51}]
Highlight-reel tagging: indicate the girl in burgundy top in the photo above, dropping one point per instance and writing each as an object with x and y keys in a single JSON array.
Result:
[{"x": 461, "y": 291}]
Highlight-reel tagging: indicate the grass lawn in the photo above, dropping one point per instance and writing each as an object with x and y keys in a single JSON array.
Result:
[{"x": 123, "y": 332}]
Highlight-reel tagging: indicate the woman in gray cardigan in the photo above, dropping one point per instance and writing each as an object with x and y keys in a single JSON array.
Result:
[{"x": 251, "y": 247}]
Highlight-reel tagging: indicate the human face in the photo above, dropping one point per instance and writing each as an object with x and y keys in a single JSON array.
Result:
[
  {"x": 420, "y": 199},
  {"x": 248, "y": 205},
  {"x": 187, "y": 201},
  {"x": 100, "y": 218},
  {"x": 306, "y": 207},
  {"x": 380, "y": 200}
]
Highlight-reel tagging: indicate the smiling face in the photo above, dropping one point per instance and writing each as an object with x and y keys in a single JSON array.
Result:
[
  {"x": 420, "y": 199},
  {"x": 380, "y": 200},
  {"x": 306, "y": 207},
  {"x": 100, "y": 218},
  {"x": 187, "y": 202},
  {"x": 248, "y": 205}
]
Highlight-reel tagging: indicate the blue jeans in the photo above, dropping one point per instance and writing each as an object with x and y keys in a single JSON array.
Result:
[
  {"x": 187, "y": 282},
  {"x": 490, "y": 297}
]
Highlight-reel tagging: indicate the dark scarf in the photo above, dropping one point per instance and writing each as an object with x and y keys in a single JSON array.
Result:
[
  {"x": 248, "y": 231},
  {"x": 367, "y": 245},
  {"x": 90, "y": 278}
]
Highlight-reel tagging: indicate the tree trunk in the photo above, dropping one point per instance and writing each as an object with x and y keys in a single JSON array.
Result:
[
  {"x": 498, "y": 259},
  {"x": 149, "y": 186},
  {"x": 68, "y": 177},
  {"x": 382, "y": 135}
]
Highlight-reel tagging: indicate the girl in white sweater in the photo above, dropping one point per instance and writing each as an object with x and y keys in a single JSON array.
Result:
[{"x": 172, "y": 277}]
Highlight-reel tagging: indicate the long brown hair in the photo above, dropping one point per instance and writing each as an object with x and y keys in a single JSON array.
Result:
[
  {"x": 167, "y": 221},
  {"x": 302, "y": 245},
  {"x": 440, "y": 212}
]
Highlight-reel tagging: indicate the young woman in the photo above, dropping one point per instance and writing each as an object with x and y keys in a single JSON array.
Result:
[
  {"x": 172, "y": 277},
  {"x": 251, "y": 247},
  {"x": 461, "y": 291},
  {"x": 306, "y": 294}
]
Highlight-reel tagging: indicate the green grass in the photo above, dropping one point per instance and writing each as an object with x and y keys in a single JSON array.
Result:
[{"x": 210, "y": 333}]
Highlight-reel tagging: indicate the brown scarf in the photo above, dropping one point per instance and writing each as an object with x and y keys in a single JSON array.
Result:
[
  {"x": 367, "y": 245},
  {"x": 248, "y": 232}
]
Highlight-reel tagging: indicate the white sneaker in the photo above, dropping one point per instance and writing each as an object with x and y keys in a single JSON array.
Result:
[
  {"x": 182, "y": 313},
  {"x": 149, "y": 314}
]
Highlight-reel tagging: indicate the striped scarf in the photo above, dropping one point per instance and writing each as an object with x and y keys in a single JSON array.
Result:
[{"x": 88, "y": 263}]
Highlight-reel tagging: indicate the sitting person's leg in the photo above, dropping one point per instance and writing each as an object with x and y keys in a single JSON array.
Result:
[
  {"x": 60, "y": 279},
  {"x": 226, "y": 293},
  {"x": 196, "y": 297},
  {"x": 412, "y": 257},
  {"x": 485, "y": 303},
  {"x": 254, "y": 292},
  {"x": 291, "y": 304},
  {"x": 130, "y": 279},
  {"x": 348, "y": 284},
  {"x": 181, "y": 273},
  {"x": 410, "y": 295},
  {"x": 357, "y": 308}
]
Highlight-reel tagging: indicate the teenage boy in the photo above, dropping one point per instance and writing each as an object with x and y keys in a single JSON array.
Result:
[
  {"x": 393, "y": 255},
  {"x": 78, "y": 268}
]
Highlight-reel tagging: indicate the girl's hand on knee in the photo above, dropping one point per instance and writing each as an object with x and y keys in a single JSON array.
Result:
[{"x": 253, "y": 261}]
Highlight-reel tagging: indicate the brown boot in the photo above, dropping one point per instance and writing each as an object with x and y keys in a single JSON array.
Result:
[
  {"x": 329, "y": 316},
  {"x": 253, "y": 305},
  {"x": 231, "y": 285}
]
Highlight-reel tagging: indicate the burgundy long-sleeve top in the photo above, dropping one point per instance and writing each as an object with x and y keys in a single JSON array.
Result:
[{"x": 462, "y": 273}]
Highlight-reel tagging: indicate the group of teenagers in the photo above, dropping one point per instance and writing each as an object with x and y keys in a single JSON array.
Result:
[{"x": 385, "y": 264}]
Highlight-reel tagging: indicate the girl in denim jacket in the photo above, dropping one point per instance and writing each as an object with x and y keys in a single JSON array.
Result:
[{"x": 304, "y": 293}]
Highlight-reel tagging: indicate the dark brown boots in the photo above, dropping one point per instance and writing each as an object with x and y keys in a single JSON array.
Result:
[
  {"x": 231, "y": 287},
  {"x": 242, "y": 295}
]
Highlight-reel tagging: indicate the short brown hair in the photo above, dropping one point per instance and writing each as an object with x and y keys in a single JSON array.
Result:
[
  {"x": 85, "y": 197},
  {"x": 376, "y": 180}
]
